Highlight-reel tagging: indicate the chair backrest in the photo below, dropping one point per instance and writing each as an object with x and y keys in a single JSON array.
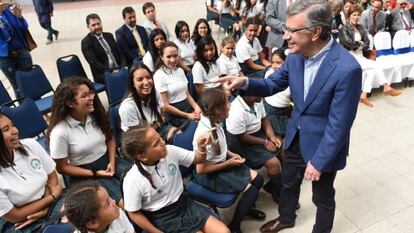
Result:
[
  {"x": 69, "y": 66},
  {"x": 116, "y": 84},
  {"x": 401, "y": 42},
  {"x": 113, "y": 114},
  {"x": 185, "y": 139},
  {"x": 33, "y": 83},
  {"x": 191, "y": 86},
  {"x": 383, "y": 43},
  {"x": 27, "y": 118},
  {"x": 4, "y": 95},
  {"x": 59, "y": 228}
]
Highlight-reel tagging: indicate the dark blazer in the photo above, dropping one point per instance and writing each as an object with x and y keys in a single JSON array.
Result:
[
  {"x": 43, "y": 9},
  {"x": 323, "y": 121},
  {"x": 96, "y": 56},
  {"x": 128, "y": 45},
  {"x": 347, "y": 37}
]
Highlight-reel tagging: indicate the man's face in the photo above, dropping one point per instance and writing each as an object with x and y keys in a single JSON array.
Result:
[
  {"x": 298, "y": 35},
  {"x": 150, "y": 13},
  {"x": 130, "y": 19},
  {"x": 376, "y": 6},
  {"x": 95, "y": 26}
]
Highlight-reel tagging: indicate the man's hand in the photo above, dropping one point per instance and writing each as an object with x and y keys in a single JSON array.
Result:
[
  {"x": 311, "y": 173},
  {"x": 3, "y": 6},
  {"x": 229, "y": 82}
]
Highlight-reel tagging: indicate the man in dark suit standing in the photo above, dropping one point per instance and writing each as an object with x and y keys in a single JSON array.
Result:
[
  {"x": 100, "y": 49},
  {"x": 325, "y": 84},
  {"x": 132, "y": 39},
  {"x": 44, "y": 11}
]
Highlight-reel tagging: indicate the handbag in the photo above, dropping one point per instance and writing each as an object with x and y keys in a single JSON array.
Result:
[{"x": 29, "y": 39}]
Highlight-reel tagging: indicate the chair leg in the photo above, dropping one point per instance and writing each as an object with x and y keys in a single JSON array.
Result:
[{"x": 405, "y": 82}]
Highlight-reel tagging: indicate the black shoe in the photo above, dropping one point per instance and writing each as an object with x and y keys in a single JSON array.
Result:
[
  {"x": 256, "y": 214},
  {"x": 297, "y": 206},
  {"x": 268, "y": 187},
  {"x": 56, "y": 35}
]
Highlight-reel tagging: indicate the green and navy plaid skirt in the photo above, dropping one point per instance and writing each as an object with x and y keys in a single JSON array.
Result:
[
  {"x": 255, "y": 155},
  {"x": 230, "y": 180},
  {"x": 278, "y": 117},
  {"x": 177, "y": 121},
  {"x": 183, "y": 216},
  {"x": 55, "y": 207},
  {"x": 251, "y": 72},
  {"x": 111, "y": 184}
]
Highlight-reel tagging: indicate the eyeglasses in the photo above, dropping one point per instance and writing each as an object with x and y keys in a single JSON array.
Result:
[
  {"x": 291, "y": 31},
  {"x": 87, "y": 95}
]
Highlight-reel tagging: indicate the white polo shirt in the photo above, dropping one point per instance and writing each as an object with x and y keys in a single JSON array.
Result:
[
  {"x": 147, "y": 60},
  {"x": 80, "y": 144},
  {"x": 138, "y": 192},
  {"x": 174, "y": 82},
  {"x": 200, "y": 76},
  {"x": 119, "y": 225},
  {"x": 256, "y": 10},
  {"x": 242, "y": 120},
  {"x": 278, "y": 100},
  {"x": 25, "y": 181},
  {"x": 245, "y": 50},
  {"x": 130, "y": 115},
  {"x": 186, "y": 50},
  {"x": 204, "y": 126},
  {"x": 228, "y": 65}
]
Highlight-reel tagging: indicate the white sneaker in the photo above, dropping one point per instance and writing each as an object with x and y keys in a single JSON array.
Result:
[{"x": 49, "y": 41}]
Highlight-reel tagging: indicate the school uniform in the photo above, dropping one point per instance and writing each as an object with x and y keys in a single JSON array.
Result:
[
  {"x": 226, "y": 19},
  {"x": 85, "y": 146},
  {"x": 119, "y": 225},
  {"x": 174, "y": 83},
  {"x": 148, "y": 61},
  {"x": 200, "y": 76},
  {"x": 230, "y": 180},
  {"x": 244, "y": 119},
  {"x": 24, "y": 182},
  {"x": 228, "y": 66},
  {"x": 278, "y": 108},
  {"x": 166, "y": 207},
  {"x": 254, "y": 11},
  {"x": 246, "y": 50},
  {"x": 131, "y": 116},
  {"x": 186, "y": 50}
]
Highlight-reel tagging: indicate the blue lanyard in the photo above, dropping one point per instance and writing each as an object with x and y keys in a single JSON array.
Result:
[{"x": 19, "y": 173}]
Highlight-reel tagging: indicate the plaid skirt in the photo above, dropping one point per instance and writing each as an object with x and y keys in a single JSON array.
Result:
[
  {"x": 230, "y": 180},
  {"x": 253, "y": 73},
  {"x": 163, "y": 131},
  {"x": 183, "y": 216},
  {"x": 111, "y": 184},
  {"x": 177, "y": 121},
  {"x": 278, "y": 117},
  {"x": 36, "y": 227},
  {"x": 255, "y": 155}
]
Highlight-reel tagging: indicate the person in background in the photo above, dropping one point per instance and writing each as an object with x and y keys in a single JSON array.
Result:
[
  {"x": 152, "y": 22},
  {"x": 156, "y": 39},
  {"x": 185, "y": 45},
  {"x": 44, "y": 11},
  {"x": 373, "y": 20},
  {"x": 201, "y": 29}
]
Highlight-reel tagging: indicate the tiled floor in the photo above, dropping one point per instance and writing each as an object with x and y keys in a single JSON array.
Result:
[{"x": 375, "y": 192}]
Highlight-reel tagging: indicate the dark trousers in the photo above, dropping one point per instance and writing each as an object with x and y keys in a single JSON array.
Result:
[
  {"x": 323, "y": 192},
  {"x": 46, "y": 23}
]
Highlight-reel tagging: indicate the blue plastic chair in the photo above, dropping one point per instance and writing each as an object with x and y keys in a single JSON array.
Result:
[
  {"x": 28, "y": 119},
  {"x": 59, "y": 228},
  {"x": 71, "y": 65},
  {"x": 4, "y": 95},
  {"x": 34, "y": 84},
  {"x": 185, "y": 140},
  {"x": 113, "y": 113},
  {"x": 191, "y": 86},
  {"x": 116, "y": 84}
]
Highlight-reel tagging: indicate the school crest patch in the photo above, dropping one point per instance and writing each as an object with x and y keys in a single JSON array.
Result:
[
  {"x": 36, "y": 164},
  {"x": 172, "y": 169}
]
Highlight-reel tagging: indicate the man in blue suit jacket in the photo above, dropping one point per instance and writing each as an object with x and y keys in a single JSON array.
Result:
[
  {"x": 132, "y": 48},
  {"x": 325, "y": 82}
]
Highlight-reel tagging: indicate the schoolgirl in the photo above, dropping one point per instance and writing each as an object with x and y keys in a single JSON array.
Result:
[
  {"x": 185, "y": 46},
  {"x": 227, "y": 61},
  {"x": 157, "y": 37},
  {"x": 171, "y": 82},
  {"x": 250, "y": 134},
  {"x": 201, "y": 29},
  {"x": 29, "y": 190},
  {"x": 250, "y": 53},
  {"x": 80, "y": 137},
  {"x": 277, "y": 106},
  {"x": 225, "y": 171},
  {"x": 91, "y": 210},
  {"x": 206, "y": 68},
  {"x": 142, "y": 103},
  {"x": 153, "y": 187}
]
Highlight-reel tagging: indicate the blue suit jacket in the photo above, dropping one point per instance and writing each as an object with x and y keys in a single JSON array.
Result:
[
  {"x": 128, "y": 45},
  {"x": 326, "y": 116}
]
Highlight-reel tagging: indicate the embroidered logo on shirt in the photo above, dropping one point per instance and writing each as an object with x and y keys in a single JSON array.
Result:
[
  {"x": 172, "y": 169},
  {"x": 35, "y": 164}
]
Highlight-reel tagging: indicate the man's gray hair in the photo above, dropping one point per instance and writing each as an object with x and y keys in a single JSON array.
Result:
[{"x": 318, "y": 12}]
